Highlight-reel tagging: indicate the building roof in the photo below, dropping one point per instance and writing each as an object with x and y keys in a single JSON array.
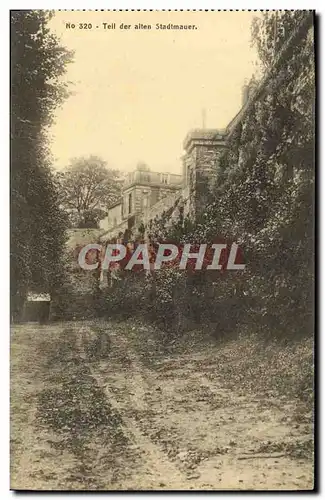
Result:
[{"x": 200, "y": 134}]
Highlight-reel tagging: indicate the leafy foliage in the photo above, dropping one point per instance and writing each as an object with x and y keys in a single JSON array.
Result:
[
  {"x": 263, "y": 200},
  {"x": 88, "y": 187},
  {"x": 37, "y": 223},
  {"x": 272, "y": 30}
]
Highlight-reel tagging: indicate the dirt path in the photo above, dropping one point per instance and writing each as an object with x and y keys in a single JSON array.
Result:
[{"x": 99, "y": 406}]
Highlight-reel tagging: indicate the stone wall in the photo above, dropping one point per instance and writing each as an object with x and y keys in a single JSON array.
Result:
[
  {"x": 113, "y": 218},
  {"x": 115, "y": 231},
  {"x": 203, "y": 148},
  {"x": 159, "y": 208}
]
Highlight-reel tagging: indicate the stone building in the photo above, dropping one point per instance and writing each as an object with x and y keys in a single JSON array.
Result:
[
  {"x": 142, "y": 190},
  {"x": 148, "y": 194},
  {"x": 200, "y": 166}
]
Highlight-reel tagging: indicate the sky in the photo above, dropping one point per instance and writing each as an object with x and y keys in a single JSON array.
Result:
[{"x": 137, "y": 93}]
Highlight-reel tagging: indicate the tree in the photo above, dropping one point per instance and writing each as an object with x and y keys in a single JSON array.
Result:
[
  {"x": 37, "y": 223},
  {"x": 271, "y": 30},
  {"x": 88, "y": 187}
]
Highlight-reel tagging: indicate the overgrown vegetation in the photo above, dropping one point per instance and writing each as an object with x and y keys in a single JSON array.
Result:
[
  {"x": 37, "y": 223},
  {"x": 263, "y": 200}
]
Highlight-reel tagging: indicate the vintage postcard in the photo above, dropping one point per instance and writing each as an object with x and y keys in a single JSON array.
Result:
[{"x": 162, "y": 250}]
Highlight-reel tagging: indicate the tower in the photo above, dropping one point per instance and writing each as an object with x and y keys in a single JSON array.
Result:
[{"x": 200, "y": 165}]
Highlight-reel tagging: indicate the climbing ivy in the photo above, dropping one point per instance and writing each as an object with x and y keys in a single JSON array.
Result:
[{"x": 263, "y": 200}]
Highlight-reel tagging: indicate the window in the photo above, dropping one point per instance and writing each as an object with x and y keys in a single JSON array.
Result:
[
  {"x": 145, "y": 199},
  {"x": 130, "y": 203},
  {"x": 164, "y": 178}
]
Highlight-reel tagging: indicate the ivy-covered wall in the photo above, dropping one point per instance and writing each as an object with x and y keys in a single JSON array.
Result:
[{"x": 262, "y": 198}]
